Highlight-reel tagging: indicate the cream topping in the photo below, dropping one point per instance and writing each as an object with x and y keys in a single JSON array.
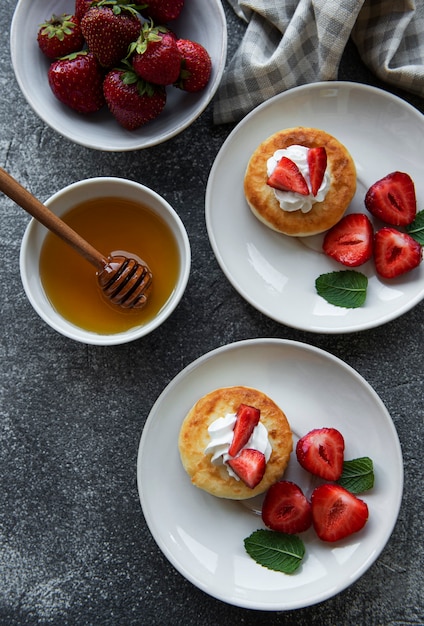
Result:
[
  {"x": 221, "y": 436},
  {"x": 290, "y": 200}
]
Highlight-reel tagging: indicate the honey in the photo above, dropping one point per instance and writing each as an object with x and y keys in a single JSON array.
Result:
[{"x": 112, "y": 225}]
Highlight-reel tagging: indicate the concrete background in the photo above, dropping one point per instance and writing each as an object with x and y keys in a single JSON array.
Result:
[{"x": 74, "y": 547}]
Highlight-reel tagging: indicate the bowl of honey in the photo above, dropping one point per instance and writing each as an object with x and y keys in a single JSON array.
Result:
[{"x": 116, "y": 216}]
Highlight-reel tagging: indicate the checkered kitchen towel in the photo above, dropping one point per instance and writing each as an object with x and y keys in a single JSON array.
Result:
[{"x": 294, "y": 42}]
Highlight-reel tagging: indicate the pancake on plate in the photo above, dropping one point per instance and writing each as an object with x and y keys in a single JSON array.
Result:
[
  {"x": 340, "y": 173},
  {"x": 194, "y": 438}
]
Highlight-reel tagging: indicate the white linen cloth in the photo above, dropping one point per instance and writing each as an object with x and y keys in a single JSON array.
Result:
[{"x": 293, "y": 42}]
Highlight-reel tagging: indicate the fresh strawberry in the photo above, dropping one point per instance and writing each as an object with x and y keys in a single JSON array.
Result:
[
  {"x": 60, "y": 35},
  {"x": 82, "y": 6},
  {"x": 395, "y": 253},
  {"x": 156, "y": 57},
  {"x": 246, "y": 419},
  {"x": 286, "y": 509},
  {"x": 288, "y": 177},
  {"x": 163, "y": 11},
  {"x": 132, "y": 101},
  {"x": 351, "y": 240},
  {"x": 317, "y": 163},
  {"x": 77, "y": 81},
  {"x": 250, "y": 466},
  {"x": 196, "y": 66},
  {"x": 321, "y": 452},
  {"x": 392, "y": 199},
  {"x": 109, "y": 28},
  {"x": 337, "y": 513}
]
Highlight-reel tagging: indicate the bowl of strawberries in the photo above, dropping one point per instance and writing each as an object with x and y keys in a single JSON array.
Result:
[{"x": 118, "y": 75}]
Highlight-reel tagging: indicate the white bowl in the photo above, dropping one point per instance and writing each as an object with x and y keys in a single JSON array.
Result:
[
  {"x": 202, "y": 21},
  {"x": 63, "y": 201}
]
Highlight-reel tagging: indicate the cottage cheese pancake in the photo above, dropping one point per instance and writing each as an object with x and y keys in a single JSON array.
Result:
[
  {"x": 297, "y": 214},
  {"x": 206, "y": 435}
]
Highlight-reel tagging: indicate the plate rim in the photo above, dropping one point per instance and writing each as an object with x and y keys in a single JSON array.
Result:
[
  {"x": 282, "y": 343},
  {"x": 239, "y": 128}
]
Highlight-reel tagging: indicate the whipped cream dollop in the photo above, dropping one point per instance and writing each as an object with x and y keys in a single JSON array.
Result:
[
  {"x": 290, "y": 200},
  {"x": 221, "y": 435}
]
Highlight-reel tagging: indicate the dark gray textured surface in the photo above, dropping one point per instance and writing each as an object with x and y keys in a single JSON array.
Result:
[{"x": 74, "y": 547}]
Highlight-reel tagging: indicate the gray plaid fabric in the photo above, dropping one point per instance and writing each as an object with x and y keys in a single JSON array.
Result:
[{"x": 293, "y": 42}]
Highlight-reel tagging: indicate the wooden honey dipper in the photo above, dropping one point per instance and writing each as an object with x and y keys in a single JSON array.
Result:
[{"x": 123, "y": 279}]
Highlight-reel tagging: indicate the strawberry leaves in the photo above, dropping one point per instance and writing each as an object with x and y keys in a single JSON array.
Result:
[
  {"x": 347, "y": 288},
  {"x": 276, "y": 551}
]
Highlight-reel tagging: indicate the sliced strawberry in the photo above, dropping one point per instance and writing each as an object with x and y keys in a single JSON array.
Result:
[
  {"x": 247, "y": 419},
  {"x": 250, "y": 466},
  {"x": 321, "y": 452},
  {"x": 317, "y": 163},
  {"x": 337, "y": 513},
  {"x": 288, "y": 177},
  {"x": 392, "y": 199},
  {"x": 351, "y": 240},
  {"x": 286, "y": 509},
  {"x": 395, "y": 253}
]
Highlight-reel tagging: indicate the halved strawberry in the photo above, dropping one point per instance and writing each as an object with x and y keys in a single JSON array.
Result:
[
  {"x": 395, "y": 253},
  {"x": 286, "y": 509},
  {"x": 288, "y": 177},
  {"x": 317, "y": 163},
  {"x": 337, "y": 513},
  {"x": 250, "y": 466},
  {"x": 321, "y": 452},
  {"x": 247, "y": 419},
  {"x": 351, "y": 240},
  {"x": 392, "y": 199}
]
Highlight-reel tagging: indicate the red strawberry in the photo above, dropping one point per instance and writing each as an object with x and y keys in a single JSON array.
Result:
[
  {"x": 317, "y": 163},
  {"x": 337, "y": 513},
  {"x": 132, "y": 101},
  {"x": 321, "y": 452},
  {"x": 351, "y": 240},
  {"x": 162, "y": 11},
  {"x": 395, "y": 253},
  {"x": 250, "y": 466},
  {"x": 286, "y": 509},
  {"x": 288, "y": 177},
  {"x": 82, "y": 6},
  {"x": 196, "y": 66},
  {"x": 59, "y": 36},
  {"x": 392, "y": 199},
  {"x": 156, "y": 57},
  {"x": 77, "y": 81},
  {"x": 247, "y": 419},
  {"x": 109, "y": 28}
]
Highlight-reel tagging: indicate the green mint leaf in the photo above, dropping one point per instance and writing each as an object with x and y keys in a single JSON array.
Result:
[
  {"x": 416, "y": 229},
  {"x": 276, "y": 551},
  {"x": 357, "y": 475},
  {"x": 346, "y": 288}
]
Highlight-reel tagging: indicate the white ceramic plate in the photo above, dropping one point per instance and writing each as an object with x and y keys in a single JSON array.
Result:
[
  {"x": 276, "y": 274},
  {"x": 202, "y": 21},
  {"x": 202, "y": 536}
]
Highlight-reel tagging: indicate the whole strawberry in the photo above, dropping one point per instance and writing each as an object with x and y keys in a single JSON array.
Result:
[
  {"x": 132, "y": 101},
  {"x": 109, "y": 28},
  {"x": 82, "y": 6},
  {"x": 196, "y": 66},
  {"x": 77, "y": 81},
  {"x": 156, "y": 57},
  {"x": 163, "y": 11},
  {"x": 60, "y": 35}
]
